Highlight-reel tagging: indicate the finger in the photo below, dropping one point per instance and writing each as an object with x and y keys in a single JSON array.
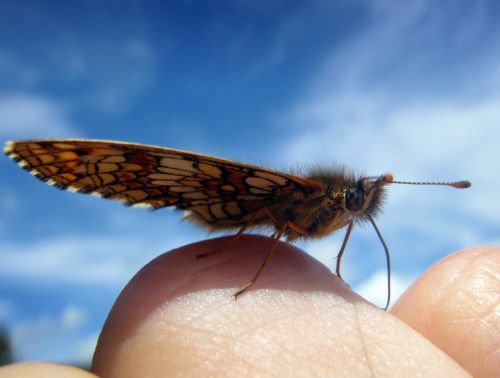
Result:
[
  {"x": 178, "y": 316},
  {"x": 43, "y": 370},
  {"x": 456, "y": 305}
]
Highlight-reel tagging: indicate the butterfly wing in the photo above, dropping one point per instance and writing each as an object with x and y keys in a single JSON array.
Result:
[{"x": 219, "y": 192}]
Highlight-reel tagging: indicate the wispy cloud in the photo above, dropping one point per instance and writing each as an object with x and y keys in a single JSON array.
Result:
[
  {"x": 54, "y": 337},
  {"x": 22, "y": 72},
  {"x": 33, "y": 116},
  {"x": 382, "y": 102},
  {"x": 432, "y": 141},
  {"x": 85, "y": 348},
  {"x": 80, "y": 259},
  {"x": 119, "y": 85},
  {"x": 374, "y": 288},
  {"x": 73, "y": 317}
]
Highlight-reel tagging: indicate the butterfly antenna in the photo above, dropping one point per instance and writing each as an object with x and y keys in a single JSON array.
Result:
[
  {"x": 457, "y": 184},
  {"x": 388, "y": 260},
  {"x": 388, "y": 179}
]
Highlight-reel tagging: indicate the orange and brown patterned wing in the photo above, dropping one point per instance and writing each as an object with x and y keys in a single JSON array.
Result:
[{"x": 220, "y": 192}]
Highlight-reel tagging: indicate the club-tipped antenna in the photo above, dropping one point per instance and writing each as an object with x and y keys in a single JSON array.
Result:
[
  {"x": 388, "y": 178},
  {"x": 456, "y": 184}
]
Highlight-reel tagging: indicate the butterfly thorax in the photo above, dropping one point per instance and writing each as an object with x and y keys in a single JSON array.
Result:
[{"x": 343, "y": 198}]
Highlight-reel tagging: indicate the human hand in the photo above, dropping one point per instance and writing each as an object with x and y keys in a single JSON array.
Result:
[{"x": 178, "y": 316}]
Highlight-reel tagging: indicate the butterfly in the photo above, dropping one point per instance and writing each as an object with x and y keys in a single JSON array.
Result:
[{"x": 215, "y": 193}]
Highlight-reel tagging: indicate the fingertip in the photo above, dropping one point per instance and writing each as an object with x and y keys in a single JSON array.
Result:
[
  {"x": 43, "y": 370},
  {"x": 176, "y": 287},
  {"x": 454, "y": 304}
]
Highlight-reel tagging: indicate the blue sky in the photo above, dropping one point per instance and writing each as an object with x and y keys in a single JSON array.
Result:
[{"x": 375, "y": 85}]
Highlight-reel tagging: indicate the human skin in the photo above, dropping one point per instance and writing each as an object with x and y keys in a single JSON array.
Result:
[{"x": 177, "y": 316}]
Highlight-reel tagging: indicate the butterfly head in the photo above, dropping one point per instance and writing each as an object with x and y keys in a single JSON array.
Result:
[{"x": 365, "y": 197}]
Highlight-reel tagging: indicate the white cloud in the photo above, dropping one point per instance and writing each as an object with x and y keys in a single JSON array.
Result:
[
  {"x": 56, "y": 337},
  {"x": 374, "y": 289},
  {"x": 80, "y": 259},
  {"x": 324, "y": 250},
  {"x": 138, "y": 49},
  {"x": 32, "y": 116},
  {"x": 115, "y": 88},
  {"x": 425, "y": 142},
  {"x": 73, "y": 317},
  {"x": 22, "y": 72},
  {"x": 85, "y": 348},
  {"x": 365, "y": 109},
  {"x": 8, "y": 201}
]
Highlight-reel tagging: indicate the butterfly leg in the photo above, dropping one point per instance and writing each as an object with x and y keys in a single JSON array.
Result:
[
  {"x": 282, "y": 228},
  {"x": 270, "y": 253},
  {"x": 342, "y": 250},
  {"x": 233, "y": 240}
]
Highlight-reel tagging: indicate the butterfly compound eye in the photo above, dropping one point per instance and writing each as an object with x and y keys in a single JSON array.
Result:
[{"x": 354, "y": 198}]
